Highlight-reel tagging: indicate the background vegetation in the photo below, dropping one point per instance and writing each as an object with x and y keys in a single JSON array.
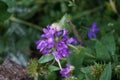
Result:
[{"x": 22, "y": 21}]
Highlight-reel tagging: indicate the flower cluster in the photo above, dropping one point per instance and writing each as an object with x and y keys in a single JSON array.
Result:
[
  {"x": 55, "y": 42},
  {"x": 93, "y": 30}
]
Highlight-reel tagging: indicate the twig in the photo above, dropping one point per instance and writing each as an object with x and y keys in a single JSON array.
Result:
[
  {"x": 74, "y": 31},
  {"x": 25, "y": 23}
]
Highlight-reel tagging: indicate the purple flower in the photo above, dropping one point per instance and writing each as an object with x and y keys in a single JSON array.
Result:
[
  {"x": 59, "y": 33},
  {"x": 57, "y": 55},
  {"x": 50, "y": 42},
  {"x": 48, "y": 32},
  {"x": 65, "y": 52},
  {"x": 61, "y": 45},
  {"x": 46, "y": 51},
  {"x": 41, "y": 44},
  {"x": 55, "y": 42},
  {"x": 70, "y": 40},
  {"x": 65, "y": 32},
  {"x": 93, "y": 30},
  {"x": 65, "y": 72}
]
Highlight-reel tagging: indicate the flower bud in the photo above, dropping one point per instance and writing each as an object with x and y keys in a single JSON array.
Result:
[{"x": 56, "y": 26}]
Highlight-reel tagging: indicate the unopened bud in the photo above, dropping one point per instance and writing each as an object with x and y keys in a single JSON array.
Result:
[
  {"x": 72, "y": 68},
  {"x": 56, "y": 26}
]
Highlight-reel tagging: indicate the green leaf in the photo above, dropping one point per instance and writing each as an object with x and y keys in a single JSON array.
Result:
[
  {"x": 10, "y": 3},
  {"x": 63, "y": 22},
  {"x": 87, "y": 77},
  {"x": 4, "y": 15},
  {"x": 76, "y": 59},
  {"x": 101, "y": 52},
  {"x": 81, "y": 76},
  {"x": 53, "y": 68},
  {"x": 51, "y": 76},
  {"x": 72, "y": 3},
  {"x": 86, "y": 70},
  {"x": 46, "y": 58},
  {"x": 109, "y": 42},
  {"x": 106, "y": 74}
]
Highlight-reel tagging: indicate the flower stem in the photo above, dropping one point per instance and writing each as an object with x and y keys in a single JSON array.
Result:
[
  {"x": 73, "y": 47},
  {"x": 14, "y": 19},
  {"x": 59, "y": 64}
]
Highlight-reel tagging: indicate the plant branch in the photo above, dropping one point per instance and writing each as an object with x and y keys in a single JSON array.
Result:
[
  {"x": 25, "y": 23},
  {"x": 74, "y": 31}
]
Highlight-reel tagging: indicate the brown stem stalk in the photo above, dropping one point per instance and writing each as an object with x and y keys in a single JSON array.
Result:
[{"x": 74, "y": 31}]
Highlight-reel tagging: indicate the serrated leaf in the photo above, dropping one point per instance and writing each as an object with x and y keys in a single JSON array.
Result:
[
  {"x": 46, "y": 58},
  {"x": 109, "y": 42},
  {"x": 106, "y": 74},
  {"x": 101, "y": 52},
  {"x": 4, "y": 15},
  {"x": 53, "y": 68}
]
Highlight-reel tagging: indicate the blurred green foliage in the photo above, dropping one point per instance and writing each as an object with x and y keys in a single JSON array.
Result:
[{"x": 21, "y": 23}]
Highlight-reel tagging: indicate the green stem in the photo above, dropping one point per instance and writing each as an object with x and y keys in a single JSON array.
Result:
[
  {"x": 25, "y": 23},
  {"x": 87, "y": 12},
  {"x": 59, "y": 64},
  {"x": 73, "y": 47},
  {"x": 90, "y": 55}
]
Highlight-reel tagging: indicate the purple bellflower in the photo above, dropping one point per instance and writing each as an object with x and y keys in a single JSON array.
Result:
[
  {"x": 55, "y": 42},
  {"x": 93, "y": 30}
]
